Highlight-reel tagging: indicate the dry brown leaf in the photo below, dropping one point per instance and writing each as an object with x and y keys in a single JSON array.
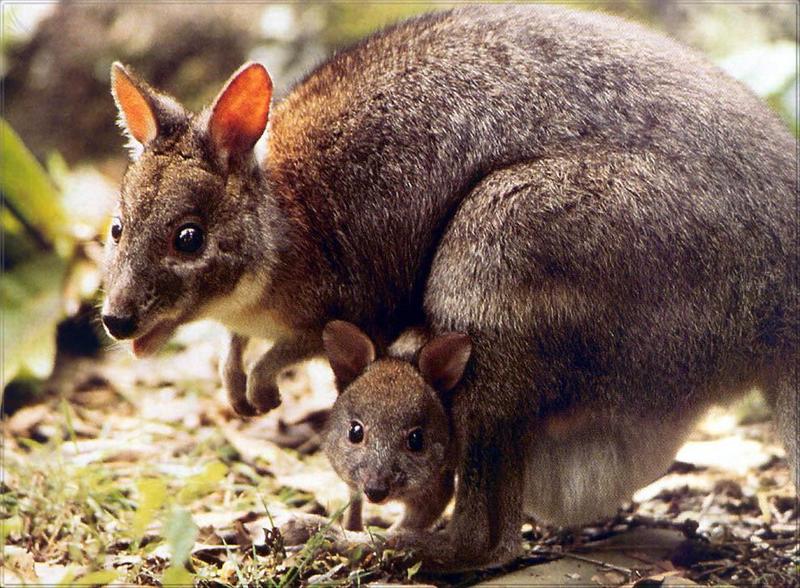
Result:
[
  {"x": 391, "y": 585},
  {"x": 678, "y": 581},
  {"x": 119, "y": 449},
  {"x": 252, "y": 449},
  {"x": 764, "y": 506},
  {"x": 95, "y": 398},
  {"x": 732, "y": 453},
  {"x": 642, "y": 582},
  {"x": 12, "y": 578},
  {"x": 19, "y": 562},
  {"x": 310, "y": 391},
  {"x": 26, "y": 419},
  {"x": 671, "y": 578},
  {"x": 222, "y": 519},
  {"x": 610, "y": 578},
  {"x": 324, "y": 484},
  {"x": 228, "y": 573},
  {"x": 52, "y": 575}
]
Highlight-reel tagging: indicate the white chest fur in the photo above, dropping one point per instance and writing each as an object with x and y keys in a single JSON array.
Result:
[{"x": 246, "y": 311}]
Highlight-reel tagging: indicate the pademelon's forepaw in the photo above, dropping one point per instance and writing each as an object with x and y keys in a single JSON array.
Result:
[
  {"x": 262, "y": 392},
  {"x": 300, "y": 528},
  {"x": 243, "y": 408},
  {"x": 234, "y": 381},
  {"x": 297, "y": 529}
]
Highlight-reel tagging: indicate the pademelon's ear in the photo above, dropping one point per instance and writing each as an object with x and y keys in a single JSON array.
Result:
[
  {"x": 239, "y": 114},
  {"x": 136, "y": 105},
  {"x": 443, "y": 359},
  {"x": 349, "y": 351}
]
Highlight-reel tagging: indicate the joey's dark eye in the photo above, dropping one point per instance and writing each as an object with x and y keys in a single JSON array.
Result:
[
  {"x": 189, "y": 238},
  {"x": 356, "y": 432},
  {"x": 415, "y": 441},
  {"x": 116, "y": 229}
]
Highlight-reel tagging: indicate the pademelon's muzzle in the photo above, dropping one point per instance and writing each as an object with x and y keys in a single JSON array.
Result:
[
  {"x": 120, "y": 326},
  {"x": 149, "y": 333},
  {"x": 376, "y": 494}
]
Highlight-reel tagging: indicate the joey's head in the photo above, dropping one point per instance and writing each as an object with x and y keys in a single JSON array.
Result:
[
  {"x": 193, "y": 219},
  {"x": 389, "y": 433}
]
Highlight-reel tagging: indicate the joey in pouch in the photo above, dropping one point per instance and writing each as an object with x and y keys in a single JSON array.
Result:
[{"x": 389, "y": 433}]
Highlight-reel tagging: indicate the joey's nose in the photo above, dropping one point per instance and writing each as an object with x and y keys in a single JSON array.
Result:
[
  {"x": 120, "y": 327},
  {"x": 376, "y": 493}
]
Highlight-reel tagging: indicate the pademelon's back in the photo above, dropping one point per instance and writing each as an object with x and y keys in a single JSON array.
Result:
[
  {"x": 404, "y": 123},
  {"x": 380, "y": 146},
  {"x": 526, "y": 76}
]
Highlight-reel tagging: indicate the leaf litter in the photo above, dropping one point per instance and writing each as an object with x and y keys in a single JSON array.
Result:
[{"x": 138, "y": 472}]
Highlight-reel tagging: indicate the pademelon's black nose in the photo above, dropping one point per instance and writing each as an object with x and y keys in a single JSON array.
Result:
[
  {"x": 377, "y": 493},
  {"x": 120, "y": 327}
]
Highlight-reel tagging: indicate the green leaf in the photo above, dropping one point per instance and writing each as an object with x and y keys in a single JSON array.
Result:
[
  {"x": 348, "y": 22},
  {"x": 17, "y": 245},
  {"x": 177, "y": 576},
  {"x": 204, "y": 482},
  {"x": 30, "y": 300},
  {"x": 152, "y": 494},
  {"x": 180, "y": 531},
  {"x": 68, "y": 578},
  {"x": 412, "y": 571},
  {"x": 98, "y": 578},
  {"x": 28, "y": 188},
  {"x": 9, "y": 526}
]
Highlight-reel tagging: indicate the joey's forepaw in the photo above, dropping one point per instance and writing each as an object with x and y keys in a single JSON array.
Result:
[
  {"x": 262, "y": 393},
  {"x": 297, "y": 529},
  {"x": 440, "y": 553}
]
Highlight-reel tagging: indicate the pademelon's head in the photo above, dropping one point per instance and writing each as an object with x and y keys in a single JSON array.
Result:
[
  {"x": 190, "y": 224},
  {"x": 389, "y": 433}
]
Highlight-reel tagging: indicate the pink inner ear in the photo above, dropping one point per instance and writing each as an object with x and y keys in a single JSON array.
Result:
[
  {"x": 239, "y": 116},
  {"x": 443, "y": 360},
  {"x": 349, "y": 351},
  {"x": 139, "y": 118}
]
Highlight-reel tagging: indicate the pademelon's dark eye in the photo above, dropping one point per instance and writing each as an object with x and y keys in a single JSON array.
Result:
[
  {"x": 356, "y": 432},
  {"x": 189, "y": 238},
  {"x": 415, "y": 440},
  {"x": 116, "y": 229}
]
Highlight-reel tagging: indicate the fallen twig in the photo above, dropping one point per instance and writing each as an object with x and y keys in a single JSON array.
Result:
[{"x": 597, "y": 562}]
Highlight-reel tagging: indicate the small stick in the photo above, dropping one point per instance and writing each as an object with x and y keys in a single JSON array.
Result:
[{"x": 599, "y": 563}]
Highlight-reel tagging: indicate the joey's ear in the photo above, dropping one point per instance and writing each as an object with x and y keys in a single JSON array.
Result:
[
  {"x": 239, "y": 114},
  {"x": 348, "y": 349},
  {"x": 136, "y": 105},
  {"x": 443, "y": 359}
]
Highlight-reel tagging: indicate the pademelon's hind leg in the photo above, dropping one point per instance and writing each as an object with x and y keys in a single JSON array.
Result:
[{"x": 783, "y": 394}]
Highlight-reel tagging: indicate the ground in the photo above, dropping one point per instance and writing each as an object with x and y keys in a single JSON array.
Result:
[{"x": 137, "y": 472}]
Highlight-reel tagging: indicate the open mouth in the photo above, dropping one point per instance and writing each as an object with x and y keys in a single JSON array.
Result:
[
  {"x": 379, "y": 499},
  {"x": 155, "y": 338}
]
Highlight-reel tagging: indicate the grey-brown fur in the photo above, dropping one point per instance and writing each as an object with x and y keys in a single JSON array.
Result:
[
  {"x": 610, "y": 217},
  {"x": 402, "y": 401},
  {"x": 407, "y": 393}
]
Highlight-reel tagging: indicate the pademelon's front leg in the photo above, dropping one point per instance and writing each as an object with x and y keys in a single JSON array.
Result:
[
  {"x": 424, "y": 510},
  {"x": 257, "y": 392},
  {"x": 234, "y": 379},
  {"x": 300, "y": 528},
  {"x": 485, "y": 528},
  {"x": 262, "y": 388},
  {"x": 353, "y": 519}
]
